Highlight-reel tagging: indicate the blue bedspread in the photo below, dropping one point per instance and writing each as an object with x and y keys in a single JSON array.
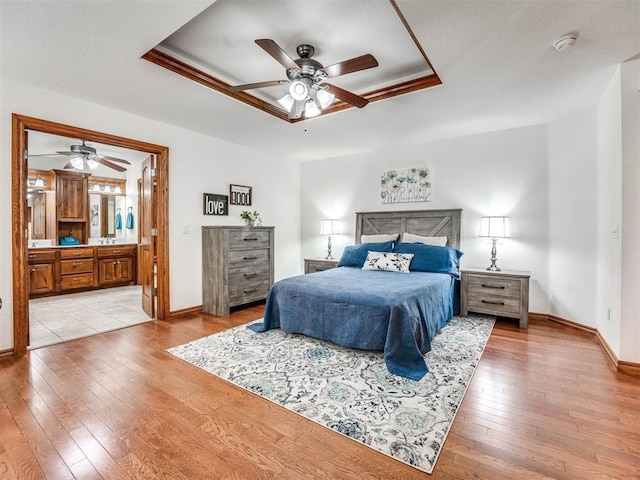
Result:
[{"x": 398, "y": 313}]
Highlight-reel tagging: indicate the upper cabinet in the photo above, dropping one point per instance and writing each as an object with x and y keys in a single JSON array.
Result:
[
  {"x": 72, "y": 206},
  {"x": 72, "y": 196}
]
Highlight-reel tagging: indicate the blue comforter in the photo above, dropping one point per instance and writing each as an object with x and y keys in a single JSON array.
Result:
[{"x": 398, "y": 313}]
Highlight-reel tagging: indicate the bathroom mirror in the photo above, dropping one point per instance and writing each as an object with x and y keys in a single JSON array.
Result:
[{"x": 107, "y": 215}]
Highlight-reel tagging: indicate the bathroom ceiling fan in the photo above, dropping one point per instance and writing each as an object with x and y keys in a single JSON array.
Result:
[
  {"x": 308, "y": 91},
  {"x": 85, "y": 157}
]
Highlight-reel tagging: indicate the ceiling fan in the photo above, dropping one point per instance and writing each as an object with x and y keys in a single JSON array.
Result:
[
  {"x": 308, "y": 91},
  {"x": 86, "y": 157}
]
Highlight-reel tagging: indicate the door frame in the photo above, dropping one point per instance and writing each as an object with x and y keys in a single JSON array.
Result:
[{"x": 19, "y": 175}]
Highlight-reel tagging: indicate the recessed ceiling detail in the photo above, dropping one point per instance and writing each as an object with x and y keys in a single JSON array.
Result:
[{"x": 212, "y": 51}]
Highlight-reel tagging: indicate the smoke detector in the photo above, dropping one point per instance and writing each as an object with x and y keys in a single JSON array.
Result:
[{"x": 565, "y": 42}]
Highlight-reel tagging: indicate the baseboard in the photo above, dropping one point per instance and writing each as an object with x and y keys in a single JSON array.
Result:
[
  {"x": 185, "y": 311},
  {"x": 6, "y": 353},
  {"x": 620, "y": 365}
]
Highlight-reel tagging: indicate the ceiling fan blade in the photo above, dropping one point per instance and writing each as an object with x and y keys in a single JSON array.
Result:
[
  {"x": 352, "y": 98},
  {"x": 67, "y": 153},
  {"x": 296, "y": 109},
  {"x": 349, "y": 66},
  {"x": 273, "y": 49},
  {"x": 112, "y": 159},
  {"x": 249, "y": 86},
  {"x": 109, "y": 164},
  {"x": 45, "y": 155}
]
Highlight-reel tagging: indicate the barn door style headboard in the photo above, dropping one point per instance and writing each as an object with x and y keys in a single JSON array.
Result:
[{"x": 428, "y": 223}]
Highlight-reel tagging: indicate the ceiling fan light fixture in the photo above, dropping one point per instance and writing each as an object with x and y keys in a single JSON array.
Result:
[
  {"x": 311, "y": 109},
  {"x": 325, "y": 98},
  {"x": 77, "y": 163},
  {"x": 92, "y": 164},
  {"x": 299, "y": 90},
  {"x": 286, "y": 102}
]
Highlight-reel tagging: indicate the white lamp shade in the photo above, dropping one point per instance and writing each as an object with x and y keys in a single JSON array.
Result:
[
  {"x": 328, "y": 227},
  {"x": 494, "y": 227}
]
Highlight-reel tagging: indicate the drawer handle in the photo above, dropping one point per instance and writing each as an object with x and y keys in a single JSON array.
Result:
[
  {"x": 251, "y": 239},
  {"x": 492, "y": 303},
  {"x": 77, "y": 254},
  {"x": 497, "y": 287},
  {"x": 249, "y": 275},
  {"x": 77, "y": 279},
  {"x": 115, "y": 251},
  {"x": 32, "y": 255},
  {"x": 77, "y": 264},
  {"x": 250, "y": 258},
  {"x": 251, "y": 291}
]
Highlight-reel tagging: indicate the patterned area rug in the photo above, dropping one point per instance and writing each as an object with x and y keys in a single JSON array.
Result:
[{"x": 351, "y": 391}]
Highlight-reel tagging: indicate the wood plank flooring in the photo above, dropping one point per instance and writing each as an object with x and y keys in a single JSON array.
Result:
[{"x": 543, "y": 404}]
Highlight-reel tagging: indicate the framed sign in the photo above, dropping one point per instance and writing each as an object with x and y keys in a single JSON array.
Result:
[
  {"x": 240, "y": 195},
  {"x": 214, "y": 204}
]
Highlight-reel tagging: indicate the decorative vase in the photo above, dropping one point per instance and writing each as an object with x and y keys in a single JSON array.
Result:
[{"x": 247, "y": 222}]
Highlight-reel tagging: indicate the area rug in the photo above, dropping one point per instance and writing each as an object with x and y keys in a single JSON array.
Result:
[{"x": 351, "y": 391}]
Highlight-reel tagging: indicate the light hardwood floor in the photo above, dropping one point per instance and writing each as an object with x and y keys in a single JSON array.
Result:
[{"x": 544, "y": 403}]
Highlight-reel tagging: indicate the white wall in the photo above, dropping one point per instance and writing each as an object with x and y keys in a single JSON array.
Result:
[
  {"x": 573, "y": 217},
  {"x": 629, "y": 323},
  {"x": 492, "y": 174},
  {"x": 609, "y": 213},
  {"x": 197, "y": 164}
]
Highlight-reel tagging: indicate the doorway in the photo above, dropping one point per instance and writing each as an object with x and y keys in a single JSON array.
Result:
[{"x": 20, "y": 125}]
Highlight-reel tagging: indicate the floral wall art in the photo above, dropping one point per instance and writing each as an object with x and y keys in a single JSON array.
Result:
[{"x": 406, "y": 185}]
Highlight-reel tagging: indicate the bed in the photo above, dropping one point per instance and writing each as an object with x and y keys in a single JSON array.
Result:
[{"x": 397, "y": 313}]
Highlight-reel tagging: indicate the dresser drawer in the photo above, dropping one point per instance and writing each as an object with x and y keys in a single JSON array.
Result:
[
  {"x": 82, "y": 265},
  {"x": 495, "y": 304},
  {"x": 244, "y": 258},
  {"x": 76, "y": 252},
  {"x": 242, "y": 239},
  {"x": 81, "y": 280},
  {"x": 255, "y": 287},
  {"x": 493, "y": 286}
]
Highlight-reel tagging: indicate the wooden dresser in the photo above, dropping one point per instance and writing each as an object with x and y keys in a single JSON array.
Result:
[
  {"x": 504, "y": 293},
  {"x": 237, "y": 266}
]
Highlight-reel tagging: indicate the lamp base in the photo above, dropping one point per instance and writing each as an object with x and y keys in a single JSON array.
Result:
[
  {"x": 493, "y": 267},
  {"x": 328, "y": 257}
]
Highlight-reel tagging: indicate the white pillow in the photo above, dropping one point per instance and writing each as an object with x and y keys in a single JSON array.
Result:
[
  {"x": 383, "y": 237},
  {"x": 437, "y": 241},
  {"x": 390, "y": 262}
]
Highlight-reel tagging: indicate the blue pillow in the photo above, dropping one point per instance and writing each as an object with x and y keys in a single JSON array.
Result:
[
  {"x": 355, "y": 255},
  {"x": 431, "y": 258}
]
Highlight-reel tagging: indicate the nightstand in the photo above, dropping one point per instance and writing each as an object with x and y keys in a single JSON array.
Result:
[
  {"x": 312, "y": 265},
  {"x": 504, "y": 293}
]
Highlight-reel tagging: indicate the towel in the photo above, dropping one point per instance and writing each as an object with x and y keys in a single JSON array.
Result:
[
  {"x": 118, "y": 221},
  {"x": 130, "y": 220}
]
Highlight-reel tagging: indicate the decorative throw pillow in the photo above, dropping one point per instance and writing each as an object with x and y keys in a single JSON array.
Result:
[
  {"x": 411, "y": 238},
  {"x": 355, "y": 255},
  {"x": 383, "y": 237},
  {"x": 390, "y": 262},
  {"x": 431, "y": 258}
]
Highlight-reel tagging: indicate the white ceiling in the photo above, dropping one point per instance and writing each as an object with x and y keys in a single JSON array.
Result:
[{"x": 495, "y": 58}]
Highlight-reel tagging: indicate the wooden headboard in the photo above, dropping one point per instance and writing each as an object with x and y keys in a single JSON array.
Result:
[{"x": 428, "y": 223}]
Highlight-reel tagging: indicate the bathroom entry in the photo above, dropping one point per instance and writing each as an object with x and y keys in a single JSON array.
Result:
[{"x": 20, "y": 127}]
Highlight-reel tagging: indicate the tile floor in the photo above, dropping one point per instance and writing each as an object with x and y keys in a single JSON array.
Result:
[{"x": 76, "y": 315}]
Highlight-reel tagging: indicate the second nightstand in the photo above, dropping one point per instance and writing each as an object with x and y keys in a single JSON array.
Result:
[
  {"x": 312, "y": 265},
  {"x": 504, "y": 293}
]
